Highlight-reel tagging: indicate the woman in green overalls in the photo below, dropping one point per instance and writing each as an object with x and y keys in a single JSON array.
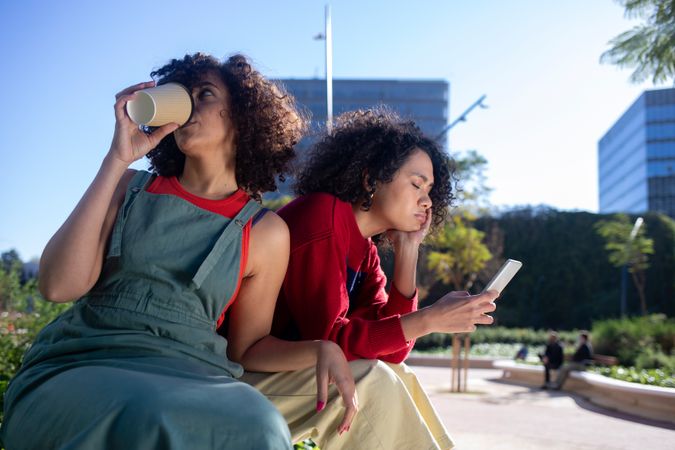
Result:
[{"x": 154, "y": 261}]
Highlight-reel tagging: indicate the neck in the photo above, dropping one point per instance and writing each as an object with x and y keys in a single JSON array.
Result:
[
  {"x": 368, "y": 222},
  {"x": 209, "y": 178}
]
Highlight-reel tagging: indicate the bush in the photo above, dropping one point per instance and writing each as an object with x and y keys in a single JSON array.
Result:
[
  {"x": 644, "y": 342},
  {"x": 496, "y": 335},
  {"x": 26, "y": 314},
  {"x": 653, "y": 358},
  {"x": 652, "y": 377},
  {"x": 629, "y": 338}
]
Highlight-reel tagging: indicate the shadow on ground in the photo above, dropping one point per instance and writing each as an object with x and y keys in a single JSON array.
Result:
[{"x": 533, "y": 394}]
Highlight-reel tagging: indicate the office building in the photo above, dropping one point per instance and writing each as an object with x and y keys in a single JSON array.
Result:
[
  {"x": 636, "y": 157},
  {"x": 424, "y": 101}
]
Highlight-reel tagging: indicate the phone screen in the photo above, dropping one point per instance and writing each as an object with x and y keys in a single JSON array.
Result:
[{"x": 503, "y": 276}]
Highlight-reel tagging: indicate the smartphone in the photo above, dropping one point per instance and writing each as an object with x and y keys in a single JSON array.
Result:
[{"x": 503, "y": 276}]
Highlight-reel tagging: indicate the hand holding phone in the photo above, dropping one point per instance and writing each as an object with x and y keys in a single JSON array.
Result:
[{"x": 503, "y": 276}]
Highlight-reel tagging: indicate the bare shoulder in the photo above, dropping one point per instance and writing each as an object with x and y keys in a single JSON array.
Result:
[
  {"x": 271, "y": 230},
  {"x": 121, "y": 189},
  {"x": 269, "y": 241},
  {"x": 124, "y": 181}
]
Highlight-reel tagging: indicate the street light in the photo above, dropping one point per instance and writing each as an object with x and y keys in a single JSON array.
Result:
[
  {"x": 624, "y": 271},
  {"x": 462, "y": 117},
  {"x": 328, "y": 37}
]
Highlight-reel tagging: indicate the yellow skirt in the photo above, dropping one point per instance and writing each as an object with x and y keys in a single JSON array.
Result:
[{"x": 394, "y": 411}]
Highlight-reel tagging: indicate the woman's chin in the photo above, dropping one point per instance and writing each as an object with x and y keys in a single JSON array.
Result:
[
  {"x": 189, "y": 149},
  {"x": 410, "y": 228}
]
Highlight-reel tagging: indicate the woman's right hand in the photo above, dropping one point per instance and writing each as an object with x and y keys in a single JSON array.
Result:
[
  {"x": 332, "y": 368},
  {"x": 129, "y": 143},
  {"x": 460, "y": 312}
]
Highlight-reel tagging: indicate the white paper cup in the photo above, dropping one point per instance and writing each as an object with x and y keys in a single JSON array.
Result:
[{"x": 157, "y": 106}]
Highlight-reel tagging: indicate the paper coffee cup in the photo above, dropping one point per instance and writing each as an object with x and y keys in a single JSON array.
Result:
[{"x": 157, "y": 106}]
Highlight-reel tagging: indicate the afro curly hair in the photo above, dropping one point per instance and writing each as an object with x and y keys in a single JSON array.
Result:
[
  {"x": 376, "y": 142},
  {"x": 267, "y": 121}
]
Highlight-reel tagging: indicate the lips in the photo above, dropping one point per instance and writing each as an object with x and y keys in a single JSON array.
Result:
[{"x": 421, "y": 217}]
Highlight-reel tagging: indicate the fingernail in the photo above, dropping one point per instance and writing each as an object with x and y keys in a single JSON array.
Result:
[{"x": 320, "y": 405}]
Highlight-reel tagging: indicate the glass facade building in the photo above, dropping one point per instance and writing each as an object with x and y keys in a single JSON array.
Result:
[
  {"x": 424, "y": 101},
  {"x": 636, "y": 157}
]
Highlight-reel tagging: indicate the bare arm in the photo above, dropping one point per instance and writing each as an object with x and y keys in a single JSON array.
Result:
[
  {"x": 71, "y": 263},
  {"x": 72, "y": 260},
  {"x": 252, "y": 312},
  {"x": 251, "y": 320},
  {"x": 406, "y": 249}
]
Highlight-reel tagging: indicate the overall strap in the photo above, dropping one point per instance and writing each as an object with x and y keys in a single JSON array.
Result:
[
  {"x": 136, "y": 185},
  {"x": 232, "y": 230},
  {"x": 259, "y": 215}
]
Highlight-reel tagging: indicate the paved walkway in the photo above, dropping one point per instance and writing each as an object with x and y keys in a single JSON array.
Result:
[{"x": 497, "y": 415}]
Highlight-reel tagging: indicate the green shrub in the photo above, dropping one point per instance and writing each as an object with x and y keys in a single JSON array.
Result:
[
  {"x": 645, "y": 342},
  {"x": 652, "y": 377},
  {"x": 496, "y": 335},
  {"x": 628, "y": 338},
  {"x": 25, "y": 315},
  {"x": 653, "y": 358}
]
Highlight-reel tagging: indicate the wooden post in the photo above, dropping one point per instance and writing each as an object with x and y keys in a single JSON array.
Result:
[
  {"x": 460, "y": 363},
  {"x": 454, "y": 368},
  {"x": 467, "y": 348}
]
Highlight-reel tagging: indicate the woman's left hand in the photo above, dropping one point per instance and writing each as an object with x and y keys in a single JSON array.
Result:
[
  {"x": 410, "y": 238},
  {"x": 332, "y": 368}
]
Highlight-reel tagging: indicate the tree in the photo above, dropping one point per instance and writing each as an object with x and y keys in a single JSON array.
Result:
[
  {"x": 627, "y": 248},
  {"x": 458, "y": 253},
  {"x": 11, "y": 261},
  {"x": 276, "y": 203},
  {"x": 10, "y": 287},
  {"x": 473, "y": 194},
  {"x": 649, "y": 48}
]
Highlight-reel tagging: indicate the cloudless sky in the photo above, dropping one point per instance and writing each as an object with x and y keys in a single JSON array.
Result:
[{"x": 550, "y": 100}]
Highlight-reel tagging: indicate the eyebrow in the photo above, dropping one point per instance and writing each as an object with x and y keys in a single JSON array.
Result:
[
  {"x": 205, "y": 83},
  {"x": 423, "y": 177}
]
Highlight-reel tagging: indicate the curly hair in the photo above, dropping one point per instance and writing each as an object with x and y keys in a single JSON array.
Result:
[
  {"x": 267, "y": 121},
  {"x": 376, "y": 142}
]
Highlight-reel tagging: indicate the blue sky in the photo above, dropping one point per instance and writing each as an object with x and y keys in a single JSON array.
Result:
[{"x": 537, "y": 61}]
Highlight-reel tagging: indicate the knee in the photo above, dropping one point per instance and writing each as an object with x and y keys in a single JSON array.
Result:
[
  {"x": 257, "y": 414},
  {"x": 384, "y": 381}
]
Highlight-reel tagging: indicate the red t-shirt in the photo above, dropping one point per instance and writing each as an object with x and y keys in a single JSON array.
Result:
[
  {"x": 228, "y": 207},
  {"x": 334, "y": 287}
]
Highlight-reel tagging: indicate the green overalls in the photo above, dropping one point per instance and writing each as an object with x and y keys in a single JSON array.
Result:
[{"x": 137, "y": 363}]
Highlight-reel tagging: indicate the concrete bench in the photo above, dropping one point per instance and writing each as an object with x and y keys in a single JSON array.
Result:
[{"x": 651, "y": 402}]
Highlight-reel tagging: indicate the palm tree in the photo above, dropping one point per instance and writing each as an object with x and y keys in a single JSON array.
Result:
[
  {"x": 649, "y": 48},
  {"x": 627, "y": 248}
]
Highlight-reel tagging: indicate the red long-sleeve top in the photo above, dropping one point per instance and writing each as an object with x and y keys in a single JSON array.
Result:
[{"x": 335, "y": 288}]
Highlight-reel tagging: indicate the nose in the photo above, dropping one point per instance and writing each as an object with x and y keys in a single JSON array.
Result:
[{"x": 425, "y": 201}]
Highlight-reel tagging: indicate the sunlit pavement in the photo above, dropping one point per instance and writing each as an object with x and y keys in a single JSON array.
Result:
[{"x": 499, "y": 415}]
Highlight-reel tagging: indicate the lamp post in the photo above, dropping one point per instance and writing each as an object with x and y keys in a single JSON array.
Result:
[
  {"x": 462, "y": 117},
  {"x": 328, "y": 37},
  {"x": 624, "y": 270}
]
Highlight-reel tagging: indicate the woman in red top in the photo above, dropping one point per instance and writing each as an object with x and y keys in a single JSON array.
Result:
[{"x": 373, "y": 177}]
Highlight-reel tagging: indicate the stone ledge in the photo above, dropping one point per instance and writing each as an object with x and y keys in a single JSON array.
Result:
[
  {"x": 652, "y": 402},
  {"x": 446, "y": 361}
]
